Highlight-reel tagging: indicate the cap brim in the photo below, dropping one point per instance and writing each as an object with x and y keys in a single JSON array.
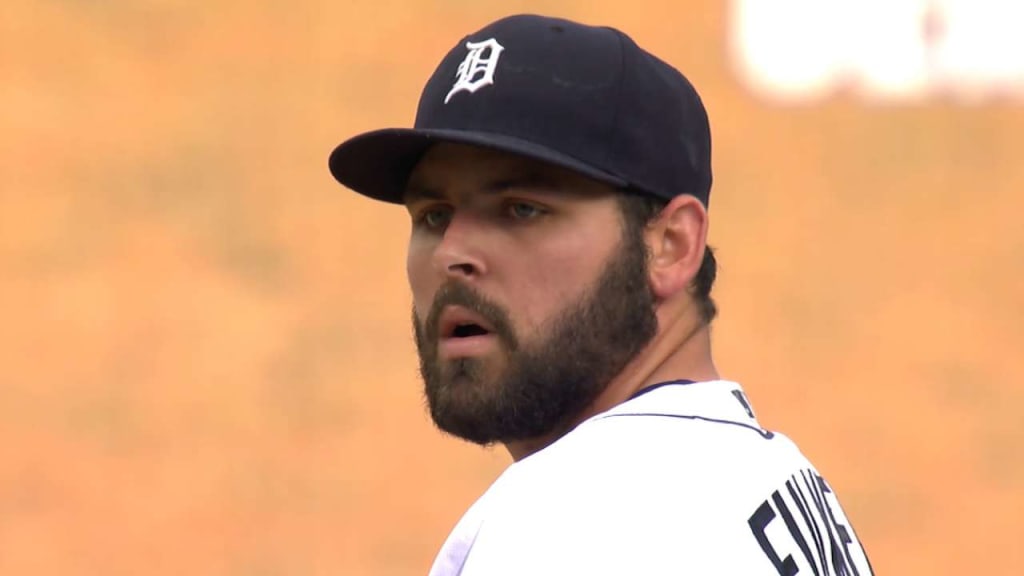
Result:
[{"x": 377, "y": 164}]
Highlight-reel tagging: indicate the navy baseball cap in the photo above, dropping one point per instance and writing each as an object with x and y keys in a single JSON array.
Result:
[{"x": 581, "y": 97}]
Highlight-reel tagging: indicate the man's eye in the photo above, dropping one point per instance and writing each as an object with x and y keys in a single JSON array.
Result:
[
  {"x": 523, "y": 211},
  {"x": 435, "y": 217}
]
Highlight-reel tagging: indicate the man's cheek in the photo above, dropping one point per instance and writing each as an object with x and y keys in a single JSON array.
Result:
[{"x": 418, "y": 268}]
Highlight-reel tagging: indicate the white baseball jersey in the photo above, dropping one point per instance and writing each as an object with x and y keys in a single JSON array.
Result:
[{"x": 679, "y": 480}]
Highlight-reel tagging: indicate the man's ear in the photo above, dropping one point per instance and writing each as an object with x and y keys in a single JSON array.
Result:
[{"x": 676, "y": 241}]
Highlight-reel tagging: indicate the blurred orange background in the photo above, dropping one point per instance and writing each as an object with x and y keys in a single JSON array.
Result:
[{"x": 206, "y": 365}]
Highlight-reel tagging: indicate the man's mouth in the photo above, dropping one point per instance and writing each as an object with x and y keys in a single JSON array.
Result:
[
  {"x": 467, "y": 330},
  {"x": 463, "y": 333},
  {"x": 461, "y": 322}
]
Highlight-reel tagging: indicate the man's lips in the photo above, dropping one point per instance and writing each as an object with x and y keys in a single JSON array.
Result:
[
  {"x": 463, "y": 333},
  {"x": 456, "y": 319}
]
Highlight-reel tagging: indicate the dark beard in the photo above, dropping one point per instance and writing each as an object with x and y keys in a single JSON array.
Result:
[{"x": 541, "y": 385}]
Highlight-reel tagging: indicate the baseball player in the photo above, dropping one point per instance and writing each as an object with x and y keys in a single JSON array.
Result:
[{"x": 557, "y": 180}]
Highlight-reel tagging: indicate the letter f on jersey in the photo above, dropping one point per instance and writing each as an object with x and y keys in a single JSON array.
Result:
[{"x": 477, "y": 70}]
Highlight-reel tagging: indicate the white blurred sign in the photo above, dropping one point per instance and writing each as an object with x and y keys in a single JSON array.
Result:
[{"x": 800, "y": 50}]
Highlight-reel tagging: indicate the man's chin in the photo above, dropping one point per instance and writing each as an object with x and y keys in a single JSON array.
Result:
[
  {"x": 478, "y": 431},
  {"x": 468, "y": 406},
  {"x": 465, "y": 425}
]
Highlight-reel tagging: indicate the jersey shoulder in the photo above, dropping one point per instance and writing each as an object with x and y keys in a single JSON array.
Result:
[{"x": 645, "y": 490}]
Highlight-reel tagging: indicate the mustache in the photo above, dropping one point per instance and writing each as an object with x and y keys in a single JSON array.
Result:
[{"x": 458, "y": 294}]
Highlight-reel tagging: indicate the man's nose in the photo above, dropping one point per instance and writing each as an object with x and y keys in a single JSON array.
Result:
[{"x": 460, "y": 253}]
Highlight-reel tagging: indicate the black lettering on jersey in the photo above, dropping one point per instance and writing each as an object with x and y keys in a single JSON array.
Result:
[
  {"x": 818, "y": 496},
  {"x": 841, "y": 531},
  {"x": 759, "y": 521},
  {"x": 743, "y": 402},
  {"x": 815, "y": 529},
  {"x": 801, "y": 504},
  {"x": 795, "y": 532}
]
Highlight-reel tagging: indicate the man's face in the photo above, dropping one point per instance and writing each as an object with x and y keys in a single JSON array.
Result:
[{"x": 528, "y": 298}]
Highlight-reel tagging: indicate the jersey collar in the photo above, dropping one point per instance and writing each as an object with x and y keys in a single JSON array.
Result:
[{"x": 714, "y": 400}]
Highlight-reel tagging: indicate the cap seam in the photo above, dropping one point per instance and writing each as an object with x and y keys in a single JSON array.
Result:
[{"x": 612, "y": 127}]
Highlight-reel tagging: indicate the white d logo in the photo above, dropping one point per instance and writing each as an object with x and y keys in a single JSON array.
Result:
[{"x": 477, "y": 70}]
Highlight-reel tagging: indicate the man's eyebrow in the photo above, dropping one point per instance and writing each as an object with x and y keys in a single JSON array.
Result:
[{"x": 416, "y": 191}]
